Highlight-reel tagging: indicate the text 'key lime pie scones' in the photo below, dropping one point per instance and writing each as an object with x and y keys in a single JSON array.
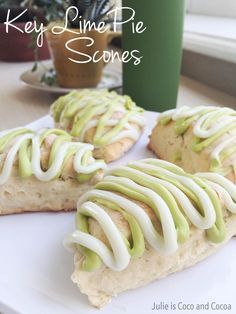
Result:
[
  {"x": 111, "y": 122},
  {"x": 197, "y": 139},
  {"x": 145, "y": 221},
  {"x": 44, "y": 170}
]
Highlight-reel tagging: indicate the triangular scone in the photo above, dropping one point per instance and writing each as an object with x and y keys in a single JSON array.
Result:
[
  {"x": 44, "y": 170},
  {"x": 197, "y": 139},
  {"x": 145, "y": 221},
  {"x": 111, "y": 122}
]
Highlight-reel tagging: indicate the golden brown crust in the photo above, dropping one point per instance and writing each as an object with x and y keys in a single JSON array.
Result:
[{"x": 113, "y": 151}]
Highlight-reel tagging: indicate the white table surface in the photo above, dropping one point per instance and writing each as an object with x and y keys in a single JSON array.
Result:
[{"x": 35, "y": 269}]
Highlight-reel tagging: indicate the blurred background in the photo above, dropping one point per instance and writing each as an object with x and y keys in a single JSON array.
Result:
[
  {"x": 209, "y": 43},
  {"x": 208, "y": 67}
]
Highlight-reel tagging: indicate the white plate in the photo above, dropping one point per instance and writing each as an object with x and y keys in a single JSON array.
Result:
[
  {"x": 35, "y": 269},
  {"x": 111, "y": 80}
]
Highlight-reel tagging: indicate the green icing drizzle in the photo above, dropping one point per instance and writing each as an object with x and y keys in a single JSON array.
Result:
[
  {"x": 6, "y": 139},
  {"x": 56, "y": 146},
  {"x": 182, "y": 125},
  {"x": 217, "y": 233},
  {"x": 177, "y": 157},
  {"x": 216, "y": 164},
  {"x": 75, "y": 110},
  {"x": 25, "y": 169},
  {"x": 198, "y": 144},
  {"x": 181, "y": 224},
  {"x": 25, "y": 151},
  {"x": 55, "y": 132},
  {"x": 137, "y": 247},
  {"x": 109, "y": 135},
  {"x": 164, "y": 121},
  {"x": 58, "y": 109},
  {"x": 91, "y": 261},
  {"x": 84, "y": 116},
  {"x": 144, "y": 177}
]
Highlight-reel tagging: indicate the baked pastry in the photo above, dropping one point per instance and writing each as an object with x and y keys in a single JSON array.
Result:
[
  {"x": 111, "y": 122},
  {"x": 197, "y": 139},
  {"x": 145, "y": 221},
  {"x": 44, "y": 170}
]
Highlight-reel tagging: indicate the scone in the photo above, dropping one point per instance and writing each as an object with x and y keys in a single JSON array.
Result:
[
  {"x": 197, "y": 139},
  {"x": 145, "y": 221},
  {"x": 110, "y": 122},
  {"x": 44, "y": 170}
]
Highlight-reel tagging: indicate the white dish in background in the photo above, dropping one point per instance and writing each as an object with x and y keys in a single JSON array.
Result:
[
  {"x": 35, "y": 269},
  {"x": 111, "y": 80}
]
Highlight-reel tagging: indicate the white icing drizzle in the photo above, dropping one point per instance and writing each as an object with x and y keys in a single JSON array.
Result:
[
  {"x": 209, "y": 212},
  {"x": 217, "y": 118},
  {"x": 204, "y": 221},
  {"x": 120, "y": 260},
  {"x": 185, "y": 112},
  {"x": 120, "y": 257},
  {"x": 11, "y": 155},
  {"x": 57, "y": 163},
  {"x": 182, "y": 112},
  {"x": 224, "y": 187},
  {"x": 131, "y": 132},
  {"x": 226, "y": 143},
  {"x": 224, "y": 121},
  {"x": 131, "y": 129},
  {"x": 167, "y": 243},
  {"x": 7, "y": 131}
]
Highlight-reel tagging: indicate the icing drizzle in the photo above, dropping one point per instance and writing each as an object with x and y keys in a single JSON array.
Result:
[
  {"x": 114, "y": 116},
  {"x": 177, "y": 199},
  {"x": 26, "y": 147},
  {"x": 209, "y": 125}
]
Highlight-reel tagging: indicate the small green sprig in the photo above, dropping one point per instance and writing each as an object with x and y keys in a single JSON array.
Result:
[{"x": 49, "y": 77}]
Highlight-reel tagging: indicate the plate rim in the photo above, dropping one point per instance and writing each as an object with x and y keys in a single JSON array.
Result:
[{"x": 64, "y": 90}]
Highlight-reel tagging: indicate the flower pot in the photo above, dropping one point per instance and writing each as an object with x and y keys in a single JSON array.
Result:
[
  {"x": 16, "y": 46},
  {"x": 70, "y": 73}
]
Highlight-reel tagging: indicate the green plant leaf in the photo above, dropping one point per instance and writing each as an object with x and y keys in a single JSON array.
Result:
[{"x": 35, "y": 67}]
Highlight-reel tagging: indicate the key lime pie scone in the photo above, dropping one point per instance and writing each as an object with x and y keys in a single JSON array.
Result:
[
  {"x": 145, "y": 221},
  {"x": 44, "y": 170},
  {"x": 111, "y": 122},
  {"x": 197, "y": 139}
]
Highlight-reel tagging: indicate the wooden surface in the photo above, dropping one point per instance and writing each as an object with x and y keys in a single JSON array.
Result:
[{"x": 20, "y": 104}]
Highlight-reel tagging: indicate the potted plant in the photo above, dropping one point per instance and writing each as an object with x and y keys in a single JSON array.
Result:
[
  {"x": 18, "y": 46},
  {"x": 72, "y": 49}
]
